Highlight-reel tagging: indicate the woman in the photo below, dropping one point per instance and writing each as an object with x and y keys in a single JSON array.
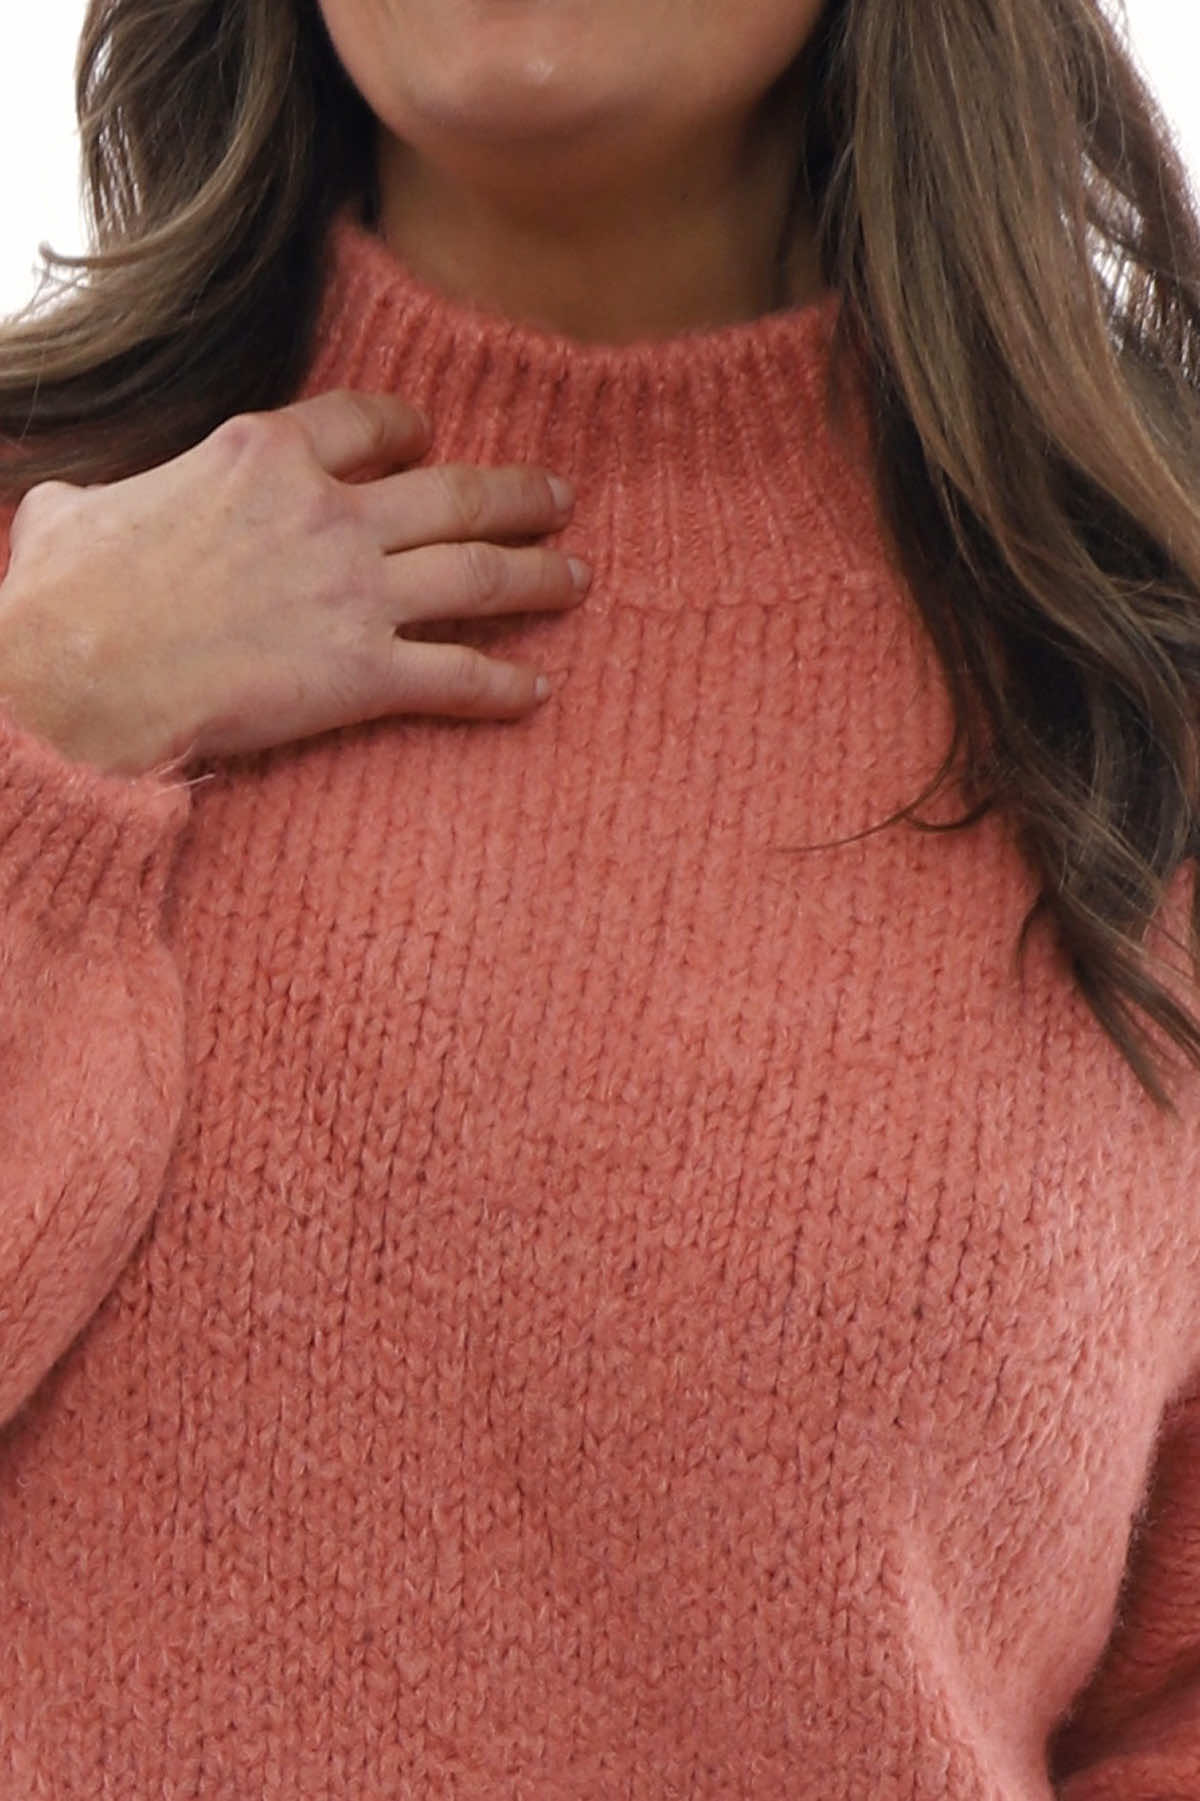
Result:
[{"x": 558, "y": 1249}]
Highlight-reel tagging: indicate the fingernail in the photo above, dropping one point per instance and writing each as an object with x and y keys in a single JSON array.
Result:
[
  {"x": 542, "y": 688},
  {"x": 563, "y": 492},
  {"x": 581, "y": 574}
]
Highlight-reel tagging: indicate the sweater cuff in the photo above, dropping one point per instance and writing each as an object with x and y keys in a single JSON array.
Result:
[{"x": 78, "y": 845}]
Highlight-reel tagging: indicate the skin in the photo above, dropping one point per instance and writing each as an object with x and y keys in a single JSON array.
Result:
[{"x": 607, "y": 169}]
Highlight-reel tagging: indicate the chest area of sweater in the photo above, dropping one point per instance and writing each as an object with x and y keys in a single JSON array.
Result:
[
  {"x": 554, "y": 1024},
  {"x": 652, "y": 897}
]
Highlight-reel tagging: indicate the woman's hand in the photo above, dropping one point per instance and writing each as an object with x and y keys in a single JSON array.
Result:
[{"x": 244, "y": 594}]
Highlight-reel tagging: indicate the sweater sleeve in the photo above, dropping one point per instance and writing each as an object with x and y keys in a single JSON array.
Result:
[
  {"x": 1134, "y": 1733},
  {"x": 91, "y": 1036}
]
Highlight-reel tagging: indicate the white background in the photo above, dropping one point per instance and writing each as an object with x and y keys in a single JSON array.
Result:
[{"x": 38, "y": 146}]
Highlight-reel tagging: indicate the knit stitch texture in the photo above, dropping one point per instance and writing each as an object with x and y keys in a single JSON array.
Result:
[{"x": 518, "y": 1282}]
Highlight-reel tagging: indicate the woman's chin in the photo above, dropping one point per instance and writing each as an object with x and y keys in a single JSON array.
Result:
[{"x": 522, "y": 110}]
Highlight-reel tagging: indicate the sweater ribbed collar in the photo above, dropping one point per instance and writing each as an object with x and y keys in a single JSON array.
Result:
[{"x": 736, "y": 413}]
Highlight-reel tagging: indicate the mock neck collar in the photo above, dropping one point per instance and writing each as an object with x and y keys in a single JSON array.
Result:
[{"x": 737, "y": 412}]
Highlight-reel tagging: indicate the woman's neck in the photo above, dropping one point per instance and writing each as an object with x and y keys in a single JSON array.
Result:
[{"x": 693, "y": 248}]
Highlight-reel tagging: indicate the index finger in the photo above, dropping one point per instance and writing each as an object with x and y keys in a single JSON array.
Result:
[{"x": 348, "y": 429}]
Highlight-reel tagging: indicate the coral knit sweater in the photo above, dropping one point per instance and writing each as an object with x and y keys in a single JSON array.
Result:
[{"x": 518, "y": 1284}]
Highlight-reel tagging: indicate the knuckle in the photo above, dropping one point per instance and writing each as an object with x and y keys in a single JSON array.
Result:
[
  {"x": 237, "y": 433},
  {"x": 471, "y": 675},
  {"x": 369, "y": 421},
  {"x": 466, "y": 496},
  {"x": 483, "y": 573},
  {"x": 271, "y": 455},
  {"x": 257, "y": 434},
  {"x": 324, "y": 506},
  {"x": 354, "y": 666}
]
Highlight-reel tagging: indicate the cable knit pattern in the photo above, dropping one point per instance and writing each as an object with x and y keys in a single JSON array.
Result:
[{"x": 521, "y": 1282}]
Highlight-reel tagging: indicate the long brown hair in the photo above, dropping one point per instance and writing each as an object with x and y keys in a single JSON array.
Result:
[{"x": 1003, "y": 210}]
